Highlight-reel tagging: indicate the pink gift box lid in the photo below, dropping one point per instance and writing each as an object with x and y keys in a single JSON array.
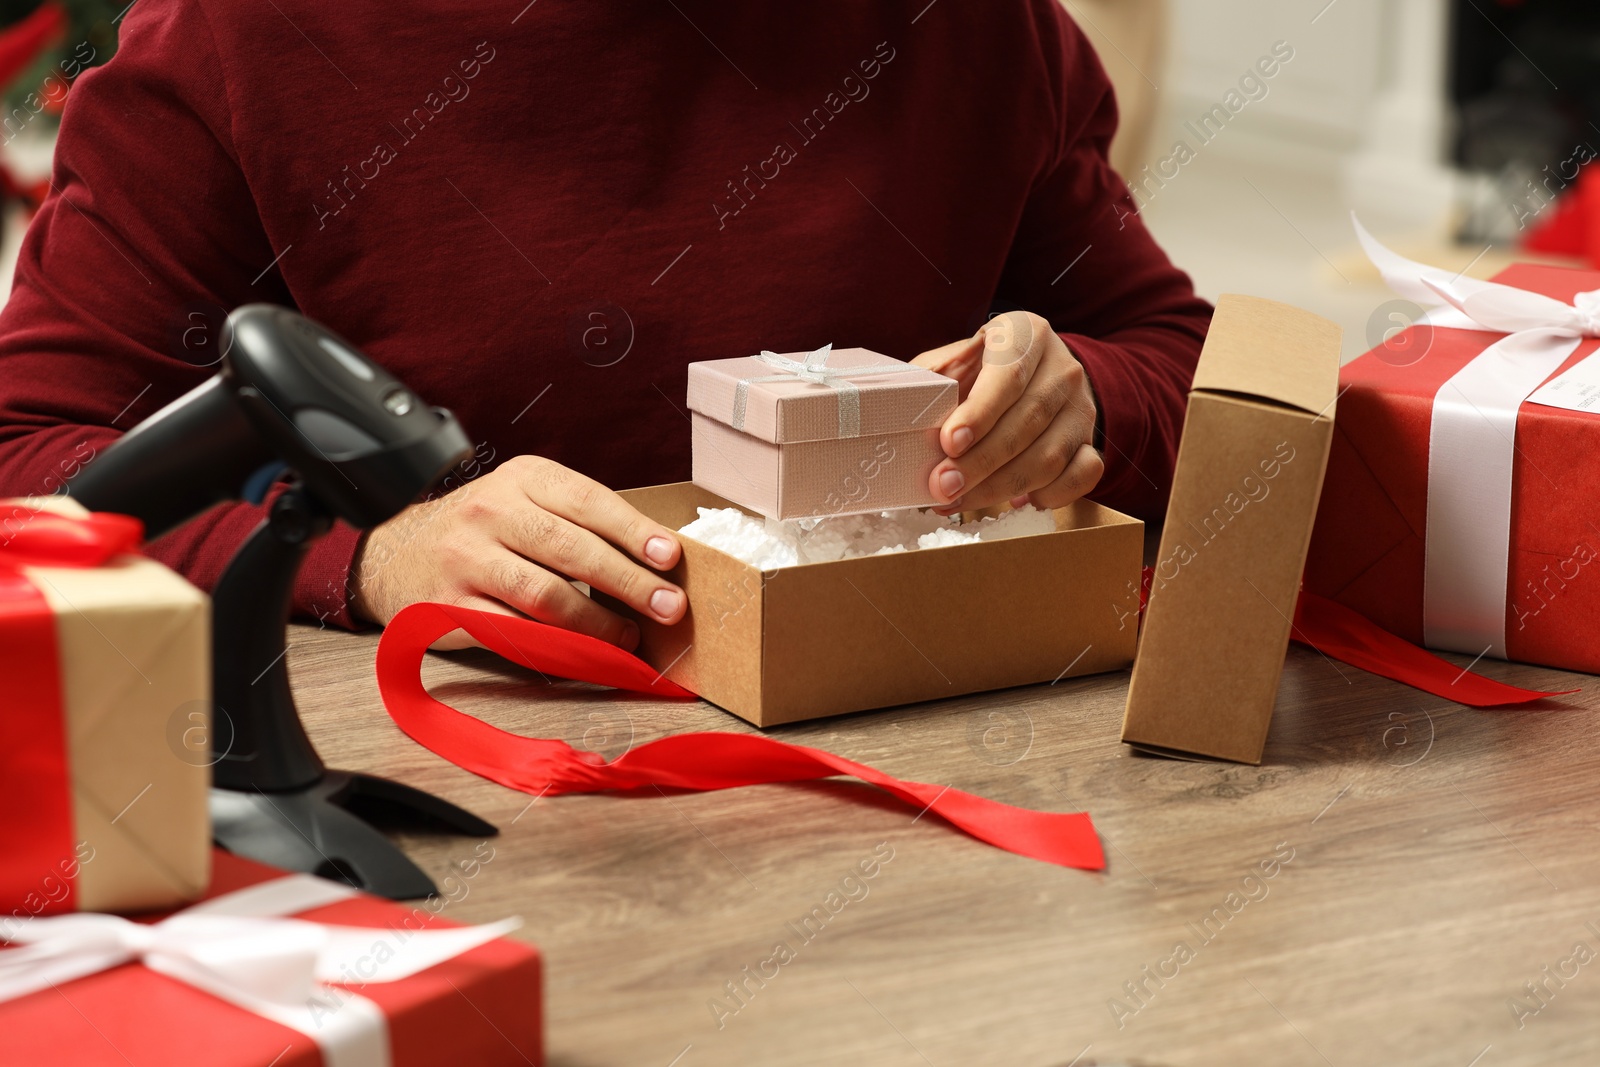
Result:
[{"x": 789, "y": 409}]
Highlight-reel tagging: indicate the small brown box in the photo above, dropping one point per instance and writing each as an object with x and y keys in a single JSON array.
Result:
[
  {"x": 822, "y": 639},
  {"x": 1244, "y": 497}
]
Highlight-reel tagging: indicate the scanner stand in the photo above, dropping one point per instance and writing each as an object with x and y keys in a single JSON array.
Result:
[{"x": 273, "y": 799}]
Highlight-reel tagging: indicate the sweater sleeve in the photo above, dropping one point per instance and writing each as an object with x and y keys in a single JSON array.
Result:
[
  {"x": 1083, "y": 259},
  {"x": 148, "y": 236}
]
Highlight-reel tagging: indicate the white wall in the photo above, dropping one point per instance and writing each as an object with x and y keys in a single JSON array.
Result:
[
  {"x": 1363, "y": 99},
  {"x": 1317, "y": 107}
]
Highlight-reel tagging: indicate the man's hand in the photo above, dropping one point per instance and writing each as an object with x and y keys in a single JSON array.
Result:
[
  {"x": 509, "y": 541},
  {"x": 1024, "y": 430}
]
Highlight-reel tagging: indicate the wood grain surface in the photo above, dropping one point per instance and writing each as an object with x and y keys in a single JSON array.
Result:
[{"x": 1427, "y": 862}]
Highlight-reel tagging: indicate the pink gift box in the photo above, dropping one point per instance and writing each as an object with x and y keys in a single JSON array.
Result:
[{"x": 831, "y": 432}]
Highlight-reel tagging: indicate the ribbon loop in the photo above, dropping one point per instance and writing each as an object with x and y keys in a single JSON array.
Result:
[
  {"x": 34, "y": 537},
  {"x": 1506, "y": 309}
]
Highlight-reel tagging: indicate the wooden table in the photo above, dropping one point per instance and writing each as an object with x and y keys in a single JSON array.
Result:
[{"x": 1432, "y": 860}]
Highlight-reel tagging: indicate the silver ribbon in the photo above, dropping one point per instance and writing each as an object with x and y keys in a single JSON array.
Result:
[{"x": 814, "y": 369}]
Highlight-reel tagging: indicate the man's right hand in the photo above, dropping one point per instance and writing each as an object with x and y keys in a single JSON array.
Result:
[{"x": 509, "y": 541}]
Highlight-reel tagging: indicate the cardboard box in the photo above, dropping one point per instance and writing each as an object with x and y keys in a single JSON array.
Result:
[
  {"x": 856, "y": 432},
  {"x": 129, "y": 687},
  {"x": 822, "y": 639},
  {"x": 1223, "y": 590},
  {"x": 1369, "y": 551}
]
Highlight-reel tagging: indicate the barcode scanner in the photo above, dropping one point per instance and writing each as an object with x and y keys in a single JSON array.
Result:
[
  {"x": 288, "y": 391},
  {"x": 292, "y": 402}
]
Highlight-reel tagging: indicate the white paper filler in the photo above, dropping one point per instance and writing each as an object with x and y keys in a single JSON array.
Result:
[{"x": 770, "y": 544}]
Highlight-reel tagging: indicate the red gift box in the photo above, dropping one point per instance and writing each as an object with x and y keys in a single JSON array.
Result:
[
  {"x": 1369, "y": 548},
  {"x": 481, "y": 1007}
]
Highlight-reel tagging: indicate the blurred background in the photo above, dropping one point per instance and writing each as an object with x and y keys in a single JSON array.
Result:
[
  {"x": 43, "y": 47},
  {"x": 1459, "y": 130}
]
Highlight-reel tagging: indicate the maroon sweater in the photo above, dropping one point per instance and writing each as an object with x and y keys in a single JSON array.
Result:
[{"x": 537, "y": 216}]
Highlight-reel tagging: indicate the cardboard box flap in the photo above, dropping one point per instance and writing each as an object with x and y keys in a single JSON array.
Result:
[{"x": 1261, "y": 348}]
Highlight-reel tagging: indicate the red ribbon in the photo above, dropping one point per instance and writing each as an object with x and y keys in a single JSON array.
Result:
[
  {"x": 699, "y": 761},
  {"x": 1348, "y": 636},
  {"x": 33, "y": 760},
  {"x": 702, "y": 761}
]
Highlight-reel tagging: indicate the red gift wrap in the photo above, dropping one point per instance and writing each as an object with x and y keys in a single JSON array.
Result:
[
  {"x": 481, "y": 1007},
  {"x": 1368, "y": 550}
]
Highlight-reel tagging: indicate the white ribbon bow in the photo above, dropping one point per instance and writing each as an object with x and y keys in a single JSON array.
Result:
[
  {"x": 814, "y": 369},
  {"x": 238, "y": 949},
  {"x": 1472, "y": 444}
]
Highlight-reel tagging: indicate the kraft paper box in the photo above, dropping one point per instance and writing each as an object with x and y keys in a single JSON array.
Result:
[
  {"x": 106, "y": 672},
  {"x": 1370, "y": 548},
  {"x": 821, "y": 433},
  {"x": 1245, "y": 491},
  {"x": 479, "y": 1008},
  {"x": 822, "y": 639}
]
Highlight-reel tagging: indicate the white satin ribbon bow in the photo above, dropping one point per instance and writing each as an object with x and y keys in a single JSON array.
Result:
[
  {"x": 1472, "y": 443},
  {"x": 238, "y": 948},
  {"x": 814, "y": 368}
]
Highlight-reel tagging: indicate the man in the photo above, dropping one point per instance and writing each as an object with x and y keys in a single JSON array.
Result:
[{"x": 538, "y": 214}]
